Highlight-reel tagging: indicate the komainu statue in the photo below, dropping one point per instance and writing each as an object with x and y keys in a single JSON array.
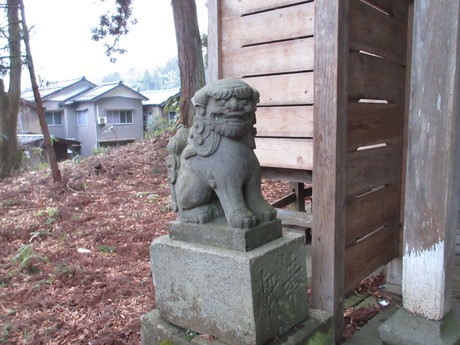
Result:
[{"x": 212, "y": 169}]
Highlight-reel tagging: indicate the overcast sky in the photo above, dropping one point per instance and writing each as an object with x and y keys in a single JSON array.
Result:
[{"x": 61, "y": 38}]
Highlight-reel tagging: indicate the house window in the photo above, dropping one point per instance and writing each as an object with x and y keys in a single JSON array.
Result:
[
  {"x": 119, "y": 117},
  {"x": 82, "y": 117},
  {"x": 53, "y": 118},
  {"x": 172, "y": 118}
]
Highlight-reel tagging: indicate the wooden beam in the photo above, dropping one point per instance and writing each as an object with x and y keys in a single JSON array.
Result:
[
  {"x": 330, "y": 143},
  {"x": 284, "y": 201},
  {"x": 214, "y": 40},
  {"x": 293, "y": 175},
  {"x": 431, "y": 190},
  {"x": 296, "y": 218},
  {"x": 299, "y": 192}
]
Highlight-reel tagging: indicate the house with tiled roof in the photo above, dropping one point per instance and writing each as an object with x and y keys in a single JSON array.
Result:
[{"x": 109, "y": 114}]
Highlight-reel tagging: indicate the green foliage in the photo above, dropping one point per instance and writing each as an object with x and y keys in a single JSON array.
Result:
[
  {"x": 161, "y": 78},
  {"x": 26, "y": 258},
  {"x": 172, "y": 104},
  {"x": 158, "y": 126},
  {"x": 101, "y": 149},
  {"x": 64, "y": 269},
  {"x": 52, "y": 215},
  {"x": 191, "y": 334},
  {"x": 38, "y": 234},
  {"x": 106, "y": 249},
  {"x": 5, "y": 332},
  {"x": 10, "y": 202},
  {"x": 166, "y": 342}
]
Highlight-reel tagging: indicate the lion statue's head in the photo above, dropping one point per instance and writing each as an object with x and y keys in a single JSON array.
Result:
[{"x": 223, "y": 108}]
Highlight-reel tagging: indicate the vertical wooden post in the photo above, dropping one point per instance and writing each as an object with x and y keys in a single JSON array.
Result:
[
  {"x": 214, "y": 32},
  {"x": 431, "y": 192},
  {"x": 330, "y": 139},
  {"x": 299, "y": 189}
]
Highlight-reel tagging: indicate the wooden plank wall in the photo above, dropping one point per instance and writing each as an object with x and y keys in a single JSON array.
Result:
[
  {"x": 376, "y": 91},
  {"x": 269, "y": 44}
]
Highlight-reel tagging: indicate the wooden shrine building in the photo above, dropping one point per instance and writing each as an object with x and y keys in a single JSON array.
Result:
[{"x": 359, "y": 98}]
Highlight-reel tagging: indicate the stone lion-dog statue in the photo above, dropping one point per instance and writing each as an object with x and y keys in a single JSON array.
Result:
[{"x": 212, "y": 169}]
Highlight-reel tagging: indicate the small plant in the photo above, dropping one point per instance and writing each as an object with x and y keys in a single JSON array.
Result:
[
  {"x": 166, "y": 342},
  {"x": 5, "y": 332},
  {"x": 38, "y": 234},
  {"x": 101, "y": 149},
  {"x": 191, "y": 334},
  {"x": 27, "y": 259},
  {"x": 10, "y": 202},
  {"x": 63, "y": 269},
  {"x": 52, "y": 215},
  {"x": 106, "y": 249}
]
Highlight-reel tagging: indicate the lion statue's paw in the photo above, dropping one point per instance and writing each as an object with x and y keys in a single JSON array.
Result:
[
  {"x": 269, "y": 215},
  {"x": 240, "y": 221}
]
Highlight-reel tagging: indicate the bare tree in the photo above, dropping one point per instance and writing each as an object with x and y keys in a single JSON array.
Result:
[{"x": 55, "y": 172}]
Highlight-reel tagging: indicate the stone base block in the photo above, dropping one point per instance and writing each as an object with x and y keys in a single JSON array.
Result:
[
  {"x": 217, "y": 233},
  {"x": 403, "y": 328},
  {"x": 241, "y": 298},
  {"x": 316, "y": 330}
]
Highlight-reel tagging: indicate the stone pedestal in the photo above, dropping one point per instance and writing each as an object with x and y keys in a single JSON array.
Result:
[
  {"x": 403, "y": 328},
  {"x": 217, "y": 233},
  {"x": 241, "y": 298}
]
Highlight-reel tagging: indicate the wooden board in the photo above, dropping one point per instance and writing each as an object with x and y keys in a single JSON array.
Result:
[
  {"x": 371, "y": 211},
  {"x": 273, "y": 89},
  {"x": 285, "y": 153},
  {"x": 396, "y": 8},
  {"x": 370, "y": 124},
  {"x": 281, "y": 24},
  {"x": 285, "y": 121},
  {"x": 373, "y": 168},
  {"x": 242, "y": 7},
  {"x": 365, "y": 257},
  {"x": 377, "y": 33},
  {"x": 278, "y": 57},
  {"x": 374, "y": 78}
]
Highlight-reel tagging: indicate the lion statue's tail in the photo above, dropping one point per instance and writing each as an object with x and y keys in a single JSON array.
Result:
[{"x": 176, "y": 145}]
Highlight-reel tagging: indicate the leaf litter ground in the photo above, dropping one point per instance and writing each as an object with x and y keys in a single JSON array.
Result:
[{"x": 74, "y": 256}]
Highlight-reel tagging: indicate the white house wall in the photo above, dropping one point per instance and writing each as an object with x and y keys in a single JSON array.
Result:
[
  {"x": 121, "y": 131},
  {"x": 59, "y": 131},
  {"x": 86, "y": 134}
]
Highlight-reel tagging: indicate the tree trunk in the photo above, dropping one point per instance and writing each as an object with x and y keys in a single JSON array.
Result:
[
  {"x": 55, "y": 172},
  {"x": 190, "y": 55},
  {"x": 9, "y": 101}
]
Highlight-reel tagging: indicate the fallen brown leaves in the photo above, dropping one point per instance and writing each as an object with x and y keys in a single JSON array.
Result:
[
  {"x": 357, "y": 317},
  {"x": 74, "y": 256}
]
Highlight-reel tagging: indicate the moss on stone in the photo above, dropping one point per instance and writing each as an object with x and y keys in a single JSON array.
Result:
[{"x": 166, "y": 342}]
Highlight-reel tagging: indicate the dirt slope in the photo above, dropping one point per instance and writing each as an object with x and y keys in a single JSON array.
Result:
[{"x": 74, "y": 262}]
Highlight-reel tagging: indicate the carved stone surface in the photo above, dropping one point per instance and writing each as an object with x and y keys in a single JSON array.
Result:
[
  {"x": 212, "y": 168},
  {"x": 218, "y": 233},
  {"x": 244, "y": 298}
]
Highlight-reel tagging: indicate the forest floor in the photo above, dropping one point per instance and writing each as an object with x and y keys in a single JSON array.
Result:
[{"x": 74, "y": 255}]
